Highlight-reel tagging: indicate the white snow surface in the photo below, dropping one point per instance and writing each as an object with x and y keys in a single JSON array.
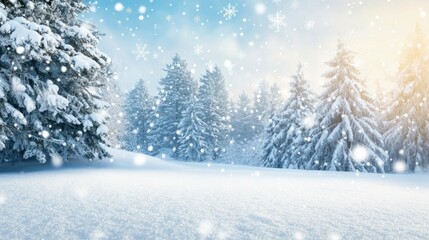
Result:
[{"x": 141, "y": 197}]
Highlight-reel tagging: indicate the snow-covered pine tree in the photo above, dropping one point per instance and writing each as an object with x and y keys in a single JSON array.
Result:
[
  {"x": 275, "y": 100},
  {"x": 346, "y": 137},
  {"x": 176, "y": 88},
  {"x": 192, "y": 145},
  {"x": 407, "y": 120},
  {"x": 4, "y": 132},
  {"x": 287, "y": 125},
  {"x": 115, "y": 98},
  {"x": 224, "y": 110},
  {"x": 243, "y": 148},
  {"x": 381, "y": 100},
  {"x": 261, "y": 100},
  {"x": 242, "y": 120},
  {"x": 270, "y": 156},
  {"x": 214, "y": 100},
  {"x": 272, "y": 111},
  {"x": 138, "y": 108},
  {"x": 50, "y": 70}
]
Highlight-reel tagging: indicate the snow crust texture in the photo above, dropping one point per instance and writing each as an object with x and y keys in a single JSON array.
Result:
[{"x": 140, "y": 197}]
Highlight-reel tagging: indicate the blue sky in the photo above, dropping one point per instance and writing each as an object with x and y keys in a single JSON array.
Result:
[{"x": 247, "y": 46}]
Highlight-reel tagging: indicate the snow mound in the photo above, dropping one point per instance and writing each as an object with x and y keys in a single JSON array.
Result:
[
  {"x": 120, "y": 160},
  {"x": 125, "y": 159}
]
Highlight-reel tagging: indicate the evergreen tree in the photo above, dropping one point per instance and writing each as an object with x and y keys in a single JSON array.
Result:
[
  {"x": 346, "y": 138},
  {"x": 275, "y": 100},
  {"x": 242, "y": 120},
  {"x": 176, "y": 88},
  {"x": 260, "y": 102},
  {"x": 192, "y": 145},
  {"x": 214, "y": 100},
  {"x": 115, "y": 98},
  {"x": 4, "y": 133},
  {"x": 287, "y": 125},
  {"x": 381, "y": 100},
  {"x": 407, "y": 120},
  {"x": 138, "y": 109},
  {"x": 50, "y": 70}
]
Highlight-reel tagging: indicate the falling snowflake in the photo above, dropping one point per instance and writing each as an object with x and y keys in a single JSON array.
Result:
[
  {"x": 45, "y": 134},
  {"x": 205, "y": 228},
  {"x": 140, "y": 160},
  {"x": 310, "y": 24},
  {"x": 277, "y": 21},
  {"x": 129, "y": 10},
  {"x": 399, "y": 166},
  {"x": 229, "y": 11},
  {"x": 142, "y": 52},
  {"x": 142, "y": 9},
  {"x": 198, "y": 49},
  {"x": 119, "y": 7},
  {"x": 150, "y": 148},
  {"x": 229, "y": 66},
  {"x": 57, "y": 160},
  {"x": 309, "y": 121},
  {"x": 360, "y": 153},
  {"x": 210, "y": 66},
  {"x": 20, "y": 50}
]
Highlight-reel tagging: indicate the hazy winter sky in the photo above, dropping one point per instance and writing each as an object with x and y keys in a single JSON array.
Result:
[{"x": 247, "y": 47}]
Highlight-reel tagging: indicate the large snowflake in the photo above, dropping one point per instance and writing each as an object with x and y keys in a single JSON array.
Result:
[
  {"x": 229, "y": 11},
  {"x": 142, "y": 52},
  {"x": 277, "y": 21},
  {"x": 198, "y": 49},
  {"x": 310, "y": 24}
]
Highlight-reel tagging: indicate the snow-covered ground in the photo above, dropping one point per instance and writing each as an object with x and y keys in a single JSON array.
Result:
[{"x": 140, "y": 197}]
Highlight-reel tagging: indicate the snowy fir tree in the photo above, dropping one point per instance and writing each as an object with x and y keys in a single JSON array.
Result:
[
  {"x": 287, "y": 125},
  {"x": 346, "y": 137},
  {"x": 245, "y": 146},
  {"x": 138, "y": 108},
  {"x": 192, "y": 145},
  {"x": 4, "y": 133},
  {"x": 214, "y": 100},
  {"x": 175, "y": 90},
  {"x": 260, "y": 102},
  {"x": 114, "y": 96},
  {"x": 407, "y": 119},
  {"x": 275, "y": 100},
  {"x": 50, "y": 72},
  {"x": 243, "y": 128},
  {"x": 381, "y": 100}
]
